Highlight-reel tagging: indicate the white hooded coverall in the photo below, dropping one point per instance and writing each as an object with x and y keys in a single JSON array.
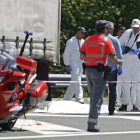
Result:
[
  {"x": 72, "y": 57},
  {"x": 131, "y": 70}
]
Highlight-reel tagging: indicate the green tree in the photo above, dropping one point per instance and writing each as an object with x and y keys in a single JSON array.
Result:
[{"x": 76, "y": 13}]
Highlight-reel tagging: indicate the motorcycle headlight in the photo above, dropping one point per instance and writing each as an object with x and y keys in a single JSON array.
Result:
[{"x": 1, "y": 78}]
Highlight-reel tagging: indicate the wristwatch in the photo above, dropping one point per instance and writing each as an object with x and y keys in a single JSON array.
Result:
[{"x": 120, "y": 65}]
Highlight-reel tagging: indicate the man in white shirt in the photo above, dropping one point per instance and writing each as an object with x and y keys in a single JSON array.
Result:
[
  {"x": 131, "y": 66},
  {"x": 74, "y": 65}
]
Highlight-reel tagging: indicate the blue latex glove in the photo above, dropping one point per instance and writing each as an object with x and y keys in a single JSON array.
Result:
[
  {"x": 69, "y": 69},
  {"x": 137, "y": 51},
  {"x": 123, "y": 48},
  {"x": 132, "y": 52},
  {"x": 119, "y": 71}
]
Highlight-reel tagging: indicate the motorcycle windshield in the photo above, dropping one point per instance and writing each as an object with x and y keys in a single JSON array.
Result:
[{"x": 8, "y": 55}]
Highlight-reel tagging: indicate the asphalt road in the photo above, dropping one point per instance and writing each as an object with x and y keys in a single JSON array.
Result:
[{"x": 42, "y": 126}]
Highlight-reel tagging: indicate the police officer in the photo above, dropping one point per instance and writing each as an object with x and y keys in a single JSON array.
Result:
[
  {"x": 74, "y": 65},
  {"x": 95, "y": 50},
  {"x": 131, "y": 66}
]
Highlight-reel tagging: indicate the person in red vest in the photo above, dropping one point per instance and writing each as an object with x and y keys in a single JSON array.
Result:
[{"x": 95, "y": 51}]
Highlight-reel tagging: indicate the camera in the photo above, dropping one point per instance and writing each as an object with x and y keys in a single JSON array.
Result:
[
  {"x": 138, "y": 47},
  {"x": 127, "y": 50}
]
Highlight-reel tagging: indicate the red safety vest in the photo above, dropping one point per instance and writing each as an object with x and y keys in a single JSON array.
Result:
[{"x": 96, "y": 48}]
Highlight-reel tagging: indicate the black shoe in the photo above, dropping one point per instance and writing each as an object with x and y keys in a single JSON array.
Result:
[
  {"x": 111, "y": 113},
  {"x": 94, "y": 130},
  {"x": 81, "y": 102},
  {"x": 123, "y": 108}
]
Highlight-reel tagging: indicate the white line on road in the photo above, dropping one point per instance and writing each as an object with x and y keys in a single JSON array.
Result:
[
  {"x": 68, "y": 135},
  {"x": 45, "y": 128},
  {"x": 54, "y": 130},
  {"x": 55, "y": 115},
  {"x": 85, "y": 116}
]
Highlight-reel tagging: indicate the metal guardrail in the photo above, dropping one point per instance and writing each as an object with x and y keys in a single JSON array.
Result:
[
  {"x": 65, "y": 77},
  {"x": 61, "y": 77},
  {"x": 66, "y": 85}
]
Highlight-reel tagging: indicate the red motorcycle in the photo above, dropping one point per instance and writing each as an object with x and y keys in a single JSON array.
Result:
[{"x": 20, "y": 92}]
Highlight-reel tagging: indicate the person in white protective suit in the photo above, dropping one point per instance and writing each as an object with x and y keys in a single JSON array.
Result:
[
  {"x": 74, "y": 65},
  {"x": 119, "y": 78},
  {"x": 131, "y": 66}
]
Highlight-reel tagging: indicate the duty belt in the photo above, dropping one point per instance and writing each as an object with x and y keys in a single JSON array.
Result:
[{"x": 95, "y": 67}]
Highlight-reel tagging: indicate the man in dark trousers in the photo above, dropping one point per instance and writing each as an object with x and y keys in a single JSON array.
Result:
[
  {"x": 95, "y": 50},
  {"x": 114, "y": 70}
]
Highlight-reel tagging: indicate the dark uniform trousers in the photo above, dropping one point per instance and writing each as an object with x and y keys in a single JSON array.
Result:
[
  {"x": 96, "y": 86},
  {"x": 112, "y": 91}
]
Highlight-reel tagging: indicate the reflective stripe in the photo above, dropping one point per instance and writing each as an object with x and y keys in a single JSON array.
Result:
[
  {"x": 86, "y": 42},
  {"x": 91, "y": 62},
  {"x": 96, "y": 55},
  {"x": 98, "y": 105},
  {"x": 102, "y": 50},
  {"x": 106, "y": 55},
  {"x": 92, "y": 120},
  {"x": 103, "y": 46}
]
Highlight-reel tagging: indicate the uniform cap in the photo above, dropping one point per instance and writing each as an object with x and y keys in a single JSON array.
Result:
[
  {"x": 135, "y": 23},
  {"x": 81, "y": 29},
  {"x": 101, "y": 24}
]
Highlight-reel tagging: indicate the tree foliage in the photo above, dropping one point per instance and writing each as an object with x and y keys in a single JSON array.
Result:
[{"x": 84, "y": 13}]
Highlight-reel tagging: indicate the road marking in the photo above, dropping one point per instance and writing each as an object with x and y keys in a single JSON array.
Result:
[
  {"x": 55, "y": 115},
  {"x": 118, "y": 115},
  {"x": 68, "y": 135},
  {"x": 45, "y": 128},
  {"x": 54, "y": 130},
  {"x": 130, "y": 117}
]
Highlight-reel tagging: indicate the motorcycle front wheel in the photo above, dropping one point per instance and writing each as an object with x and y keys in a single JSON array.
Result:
[{"x": 8, "y": 125}]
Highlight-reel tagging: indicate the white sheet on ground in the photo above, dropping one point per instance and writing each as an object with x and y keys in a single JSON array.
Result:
[{"x": 69, "y": 107}]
